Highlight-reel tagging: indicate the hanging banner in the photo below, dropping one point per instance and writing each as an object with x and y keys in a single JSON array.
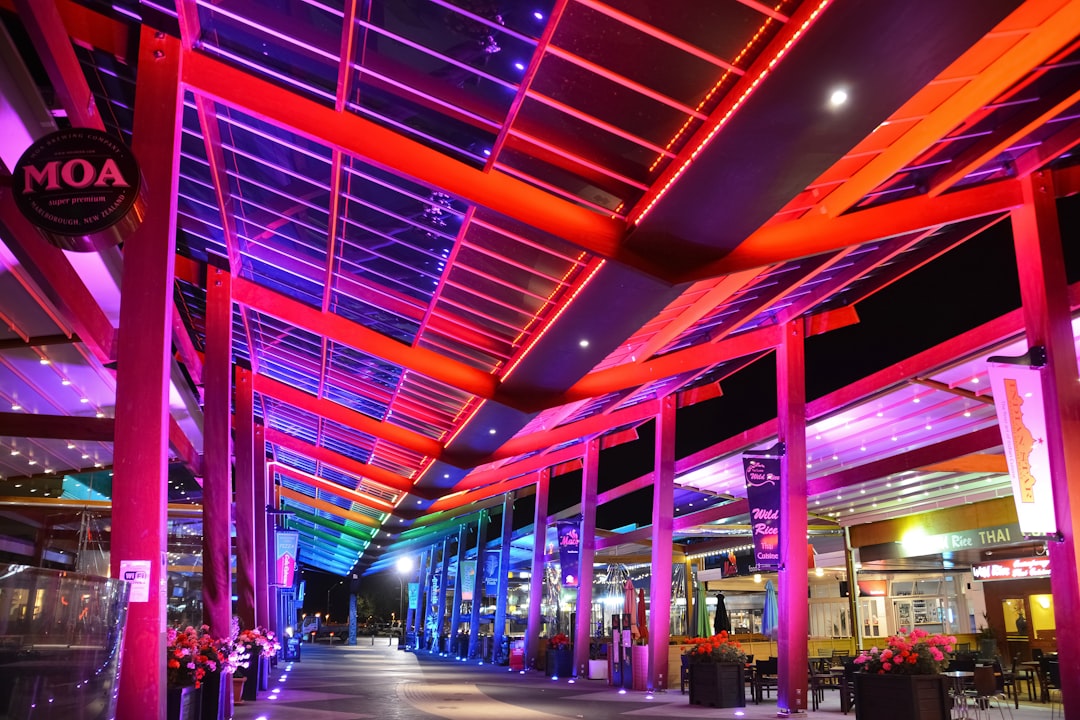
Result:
[
  {"x": 491, "y": 574},
  {"x": 286, "y": 543},
  {"x": 1018, "y": 397},
  {"x": 763, "y": 494},
  {"x": 468, "y": 579},
  {"x": 414, "y": 595},
  {"x": 569, "y": 550}
]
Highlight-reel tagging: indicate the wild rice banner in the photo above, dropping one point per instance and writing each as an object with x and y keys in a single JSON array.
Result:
[
  {"x": 569, "y": 550},
  {"x": 763, "y": 493},
  {"x": 468, "y": 579},
  {"x": 1018, "y": 397}
]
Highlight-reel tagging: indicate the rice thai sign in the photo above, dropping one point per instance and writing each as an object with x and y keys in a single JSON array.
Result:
[
  {"x": 1015, "y": 569},
  {"x": 81, "y": 188}
]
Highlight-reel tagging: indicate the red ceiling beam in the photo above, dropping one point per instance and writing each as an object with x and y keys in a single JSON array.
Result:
[
  {"x": 356, "y": 136},
  {"x": 967, "y": 444},
  {"x": 373, "y": 473},
  {"x": 347, "y": 332},
  {"x": 52, "y": 272},
  {"x": 333, "y": 488},
  {"x": 350, "y": 418},
  {"x": 814, "y": 233},
  {"x": 56, "y": 427}
]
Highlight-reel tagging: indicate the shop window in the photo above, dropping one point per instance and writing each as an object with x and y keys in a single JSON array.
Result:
[{"x": 1042, "y": 617}]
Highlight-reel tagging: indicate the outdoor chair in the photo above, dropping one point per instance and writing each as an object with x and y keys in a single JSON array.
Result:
[
  {"x": 765, "y": 680},
  {"x": 1021, "y": 674},
  {"x": 985, "y": 689}
]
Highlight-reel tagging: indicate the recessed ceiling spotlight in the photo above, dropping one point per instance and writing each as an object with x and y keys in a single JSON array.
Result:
[
  {"x": 65, "y": 382},
  {"x": 85, "y": 456},
  {"x": 491, "y": 431},
  {"x": 838, "y": 97},
  {"x": 31, "y": 462},
  {"x": 71, "y": 446},
  {"x": 44, "y": 361},
  {"x": 583, "y": 343},
  {"x": 84, "y": 400},
  {"x": 16, "y": 406},
  {"x": 14, "y": 453},
  {"x": 520, "y": 66}
]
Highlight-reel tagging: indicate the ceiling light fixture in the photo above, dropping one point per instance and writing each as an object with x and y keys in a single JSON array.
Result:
[{"x": 838, "y": 97}]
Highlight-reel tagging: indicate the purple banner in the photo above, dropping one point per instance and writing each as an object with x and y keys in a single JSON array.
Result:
[
  {"x": 569, "y": 548},
  {"x": 763, "y": 493}
]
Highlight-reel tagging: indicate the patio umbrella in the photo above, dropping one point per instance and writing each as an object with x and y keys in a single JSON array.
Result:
[
  {"x": 701, "y": 612},
  {"x": 643, "y": 627},
  {"x": 770, "y": 617},
  {"x": 721, "y": 621},
  {"x": 628, "y": 605}
]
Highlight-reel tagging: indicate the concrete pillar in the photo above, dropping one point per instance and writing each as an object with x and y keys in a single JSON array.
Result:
[
  {"x": 663, "y": 513},
  {"x": 1044, "y": 290},
  {"x": 536, "y": 578},
  {"x": 793, "y": 583},
  {"x": 478, "y": 588},
  {"x": 455, "y": 610},
  {"x": 586, "y": 553},
  {"x": 503, "y": 591}
]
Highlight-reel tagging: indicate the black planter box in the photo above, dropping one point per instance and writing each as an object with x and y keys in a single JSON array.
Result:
[
  {"x": 717, "y": 684},
  {"x": 911, "y": 697}
]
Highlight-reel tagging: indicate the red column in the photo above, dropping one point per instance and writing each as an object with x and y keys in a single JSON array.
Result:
[
  {"x": 536, "y": 578},
  {"x": 265, "y": 551},
  {"x": 217, "y": 454},
  {"x": 141, "y": 449},
  {"x": 586, "y": 553},
  {"x": 663, "y": 512},
  {"x": 246, "y": 542},
  {"x": 1044, "y": 291},
  {"x": 793, "y": 583}
]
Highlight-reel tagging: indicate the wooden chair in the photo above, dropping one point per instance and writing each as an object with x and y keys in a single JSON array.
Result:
[
  {"x": 684, "y": 674},
  {"x": 765, "y": 677},
  {"x": 1021, "y": 674},
  {"x": 985, "y": 690},
  {"x": 847, "y": 688}
]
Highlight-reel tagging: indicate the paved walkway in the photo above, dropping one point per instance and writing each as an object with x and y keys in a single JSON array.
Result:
[{"x": 379, "y": 681}]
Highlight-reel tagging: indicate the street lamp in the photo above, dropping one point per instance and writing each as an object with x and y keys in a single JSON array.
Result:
[
  {"x": 339, "y": 582},
  {"x": 404, "y": 567}
]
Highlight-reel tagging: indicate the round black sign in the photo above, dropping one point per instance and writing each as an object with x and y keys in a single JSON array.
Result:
[{"x": 76, "y": 183}]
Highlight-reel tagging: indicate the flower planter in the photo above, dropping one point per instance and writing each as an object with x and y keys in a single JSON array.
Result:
[
  {"x": 216, "y": 690},
  {"x": 598, "y": 669},
  {"x": 639, "y": 667},
  {"x": 183, "y": 703},
  {"x": 719, "y": 685},
  {"x": 560, "y": 662},
  {"x": 901, "y": 697},
  {"x": 238, "y": 689}
]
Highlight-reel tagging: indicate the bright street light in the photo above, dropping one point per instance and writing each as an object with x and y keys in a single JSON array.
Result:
[{"x": 404, "y": 567}]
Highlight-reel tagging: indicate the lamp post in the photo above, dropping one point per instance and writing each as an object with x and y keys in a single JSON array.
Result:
[
  {"x": 404, "y": 567},
  {"x": 328, "y": 591}
]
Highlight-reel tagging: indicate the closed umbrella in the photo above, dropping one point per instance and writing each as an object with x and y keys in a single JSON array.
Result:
[
  {"x": 770, "y": 617},
  {"x": 628, "y": 605},
  {"x": 721, "y": 621},
  {"x": 643, "y": 627},
  {"x": 701, "y": 612}
]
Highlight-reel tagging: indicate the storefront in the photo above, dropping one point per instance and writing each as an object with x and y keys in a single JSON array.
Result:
[{"x": 1018, "y": 601}]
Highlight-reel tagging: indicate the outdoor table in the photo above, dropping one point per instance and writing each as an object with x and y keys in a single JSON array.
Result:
[
  {"x": 1033, "y": 665},
  {"x": 959, "y": 678}
]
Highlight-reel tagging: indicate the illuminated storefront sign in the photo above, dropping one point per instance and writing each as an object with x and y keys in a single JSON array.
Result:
[
  {"x": 1017, "y": 569},
  {"x": 1018, "y": 396}
]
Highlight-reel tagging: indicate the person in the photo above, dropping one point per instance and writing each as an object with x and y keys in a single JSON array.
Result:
[{"x": 1021, "y": 623}]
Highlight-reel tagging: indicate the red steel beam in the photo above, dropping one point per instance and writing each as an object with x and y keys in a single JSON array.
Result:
[{"x": 56, "y": 427}]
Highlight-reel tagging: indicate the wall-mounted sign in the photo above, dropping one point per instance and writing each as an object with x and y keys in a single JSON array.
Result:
[
  {"x": 1016, "y": 569},
  {"x": 468, "y": 579},
  {"x": 80, "y": 187},
  {"x": 916, "y": 543},
  {"x": 569, "y": 550},
  {"x": 1018, "y": 397},
  {"x": 137, "y": 572},
  {"x": 287, "y": 544},
  {"x": 763, "y": 494}
]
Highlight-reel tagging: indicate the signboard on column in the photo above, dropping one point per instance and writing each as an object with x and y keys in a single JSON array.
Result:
[
  {"x": 569, "y": 550},
  {"x": 468, "y": 579},
  {"x": 286, "y": 543},
  {"x": 762, "y": 472},
  {"x": 414, "y": 595},
  {"x": 1018, "y": 397}
]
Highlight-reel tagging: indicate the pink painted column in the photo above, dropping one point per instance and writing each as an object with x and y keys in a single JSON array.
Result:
[
  {"x": 248, "y": 545},
  {"x": 536, "y": 577},
  {"x": 141, "y": 448},
  {"x": 217, "y": 454},
  {"x": 503, "y": 591},
  {"x": 1043, "y": 287},
  {"x": 455, "y": 608},
  {"x": 663, "y": 512},
  {"x": 479, "y": 587},
  {"x": 586, "y": 554},
  {"x": 793, "y": 584},
  {"x": 444, "y": 581},
  {"x": 267, "y": 595}
]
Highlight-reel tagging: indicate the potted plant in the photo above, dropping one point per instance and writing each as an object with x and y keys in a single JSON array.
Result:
[
  {"x": 192, "y": 656},
  {"x": 560, "y": 657},
  {"x": 261, "y": 646},
  {"x": 987, "y": 641},
  {"x": 597, "y": 661},
  {"x": 717, "y": 671},
  {"x": 903, "y": 679}
]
